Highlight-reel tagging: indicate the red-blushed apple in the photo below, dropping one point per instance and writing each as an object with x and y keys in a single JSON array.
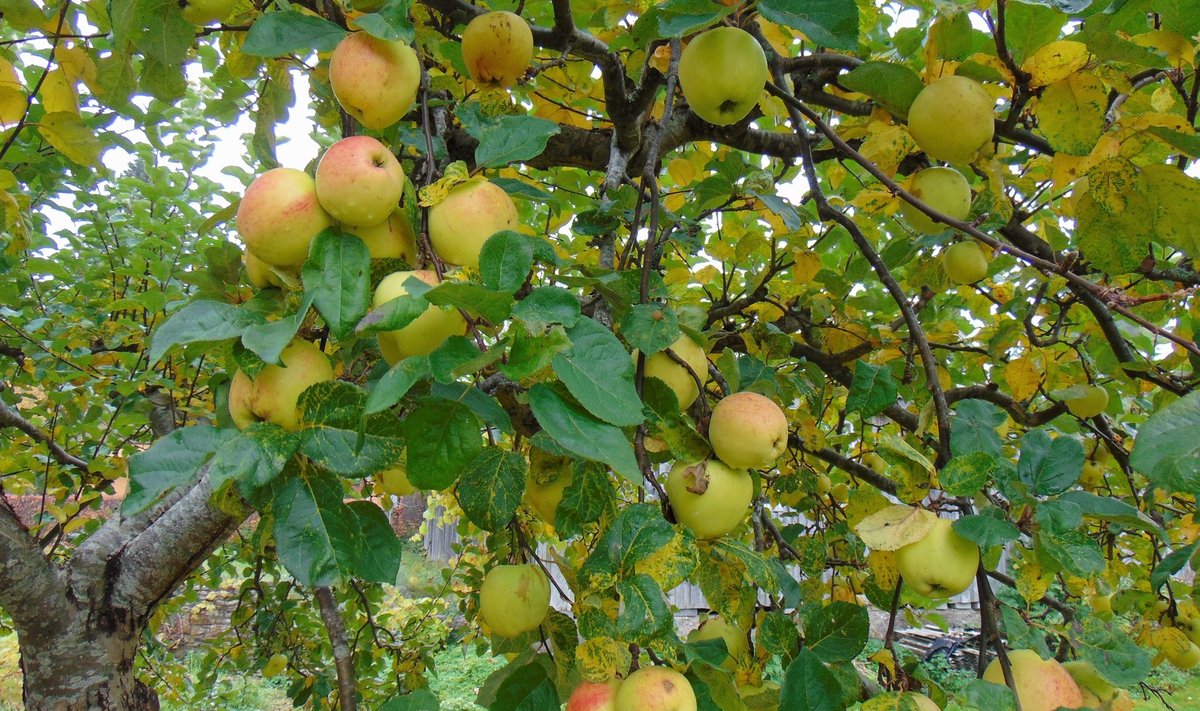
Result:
[
  {"x": 940, "y": 565},
  {"x": 273, "y": 394},
  {"x": 1042, "y": 685},
  {"x": 514, "y": 599},
  {"x": 470, "y": 214},
  {"x": 722, "y": 73},
  {"x": 497, "y": 48},
  {"x": 359, "y": 181},
  {"x": 594, "y": 696},
  {"x": 279, "y": 216},
  {"x": 393, "y": 238},
  {"x": 945, "y": 190},
  {"x": 748, "y": 431},
  {"x": 708, "y": 497},
  {"x": 662, "y": 366},
  {"x": 656, "y": 689},
  {"x": 374, "y": 80},
  {"x": 427, "y": 331},
  {"x": 952, "y": 119}
]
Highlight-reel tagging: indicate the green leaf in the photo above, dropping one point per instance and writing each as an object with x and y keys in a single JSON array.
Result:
[
  {"x": 505, "y": 261},
  {"x": 419, "y": 700},
  {"x": 546, "y": 305},
  {"x": 638, "y": 532},
  {"x": 390, "y": 23},
  {"x": 318, "y": 538},
  {"x": 1049, "y": 466},
  {"x": 529, "y": 688},
  {"x": 987, "y": 529},
  {"x": 396, "y": 383},
  {"x": 1115, "y": 242},
  {"x": 277, "y": 34},
  {"x": 677, "y": 18},
  {"x": 831, "y": 23},
  {"x": 650, "y": 328},
  {"x": 973, "y": 428},
  {"x": 1073, "y": 551},
  {"x": 756, "y": 571},
  {"x": 778, "y": 635},
  {"x": 892, "y": 86},
  {"x": 161, "y": 32},
  {"x": 338, "y": 275},
  {"x": 1167, "y": 449},
  {"x": 966, "y": 475},
  {"x": 1112, "y": 652},
  {"x": 268, "y": 340},
  {"x": 872, "y": 389},
  {"x": 980, "y": 695},
  {"x": 1171, "y": 564},
  {"x": 644, "y": 612},
  {"x": 584, "y": 500},
  {"x": 485, "y": 406},
  {"x": 530, "y": 355},
  {"x": 583, "y": 435},
  {"x": 201, "y": 322},
  {"x": 510, "y": 139},
  {"x": 1186, "y": 143},
  {"x": 491, "y": 488},
  {"x": 479, "y": 300},
  {"x": 809, "y": 686},
  {"x": 1112, "y": 511},
  {"x": 443, "y": 438},
  {"x": 169, "y": 462},
  {"x": 836, "y": 633},
  {"x": 252, "y": 459},
  {"x": 397, "y": 313},
  {"x": 380, "y": 558},
  {"x": 1029, "y": 27},
  {"x": 457, "y": 357},
  {"x": 598, "y": 371},
  {"x": 338, "y": 436}
]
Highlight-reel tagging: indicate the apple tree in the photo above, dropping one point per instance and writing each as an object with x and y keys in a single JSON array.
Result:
[{"x": 818, "y": 305}]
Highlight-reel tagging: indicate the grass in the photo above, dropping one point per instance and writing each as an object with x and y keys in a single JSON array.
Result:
[
  {"x": 461, "y": 672},
  {"x": 1182, "y": 698}
]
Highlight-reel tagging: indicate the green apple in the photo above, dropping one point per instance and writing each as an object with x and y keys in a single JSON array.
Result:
[
  {"x": 1042, "y": 685},
  {"x": 662, "y": 366},
  {"x": 940, "y": 565},
  {"x": 594, "y": 696},
  {"x": 391, "y": 239},
  {"x": 425, "y": 333},
  {"x": 279, "y": 216},
  {"x": 840, "y": 492},
  {"x": 374, "y": 80},
  {"x": 206, "y": 12},
  {"x": 1095, "y": 689},
  {"x": 656, "y": 689},
  {"x": 497, "y": 48},
  {"x": 952, "y": 119},
  {"x": 709, "y": 497},
  {"x": 964, "y": 263},
  {"x": 470, "y": 214},
  {"x": 395, "y": 481},
  {"x": 241, "y": 400},
  {"x": 1177, "y": 647},
  {"x": 514, "y": 599},
  {"x": 748, "y": 431},
  {"x": 273, "y": 394},
  {"x": 734, "y": 636},
  {"x": 1091, "y": 401},
  {"x": 943, "y": 189},
  {"x": 545, "y": 484},
  {"x": 722, "y": 73},
  {"x": 359, "y": 182},
  {"x": 824, "y": 485},
  {"x": 276, "y": 664},
  {"x": 261, "y": 274}
]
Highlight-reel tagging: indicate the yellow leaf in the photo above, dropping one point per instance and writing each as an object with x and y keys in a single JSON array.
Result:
[
  {"x": 7, "y": 179},
  {"x": 887, "y": 145},
  {"x": 58, "y": 93},
  {"x": 895, "y": 527},
  {"x": 71, "y": 137},
  {"x": 1163, "y": 98},
  {"x": 883, "y": 565},
  {"x": 1055, "y": 61},
  {"x": 806, "y": 265},
  {"x": 885, "y": 658},
  {"x": 12, "y": 104},
  {"x": 671, "y": 564},
  {"x": 1032, "y": 582},
  {"x": 1023, "y": 377},
  {"x": 681, "y": 171},
  {"x": 436, "y": 192},
  {"x": 1071, "y": 113},
  {"x": 78, "y": 65},
  {"x": 1179, "y": 49}
]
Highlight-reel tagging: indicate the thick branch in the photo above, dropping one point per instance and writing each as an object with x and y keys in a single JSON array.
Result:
[
  {"x": 32, "y": 589},
  {"x": 343, "y": 657},
  {"x": 9, "y": 417}
]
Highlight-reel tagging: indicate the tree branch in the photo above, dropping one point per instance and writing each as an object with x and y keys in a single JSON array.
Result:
[
  {"x": 343, "y": 656},
  {"x": 32, "y": 589}
]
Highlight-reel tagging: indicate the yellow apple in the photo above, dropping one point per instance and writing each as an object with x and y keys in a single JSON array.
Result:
[
  {"x": 359, "y": 181},
  {"x": 940, "y": 565},
  {"x": 514, "y": 599},
  {"x": 497, "y": 48},
  {"x": 708, "y": 497},
  {"x": 374, "y": 80},
  {"x": 722, "y": 73},
  {"x": 1090, "y": 402},
  {"x": 1095, "y": 689},
  {"x": 656, "y": 689},
  {"x": 470, "y": 214},
  {"x": 593, "y": 696},
  {"x": 206, "y": 12},
  {"x": 261, "y": 274},
  {"x": 1041, "y": 685},
  {"x": 748, "y": 431},
  {"x": 840, "y": 492},
  {"x": 395, "y": 481},
  {"x": 272, "y": 395},
  {"x": 824, "y": 485},
  {"x": 952, "y": 119},
  {"x": 943, "y": 189},
  {"x": 662, "y": 366},
  {"x": 279, "y": 216},
  {"x": 734, "y": 636},
  {"x": 274, "y": 665},
  {"x": 1177, "y": 647},
  {"x": 964, "y": 263},
  {"x": 391, "y": 239},
  {"x": 544, "y": 498},
  {"x": 426, "y": 332}
]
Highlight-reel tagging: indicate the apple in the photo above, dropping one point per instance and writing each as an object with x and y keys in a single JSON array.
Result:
[
  {"x": 274, "y": 665},
  {"x": 824, "y": 485},
  {"x": 952, "y": 119},
  {"x": 374, "y": 80},
  {"x": 940, "y": 565},
  {"x": 722, "y": 73},
  {"x": 709, "y": 497},
  {"x": 840, "y": 492},
  {"x": 943, "y": 189},
  {"x": 734, "y": 636},
  {"x": 662, "y": 366},
  {"x": 391, "y": 239},
  {"x": 470, "y": 214},
  {"x": 544, "y": 498},
  {"x": 964, "y": 263},
  {"x": 748, "y": 431},
  {"x": 1041, "y": 685},
  {"x": 1175, "y": 645},
  {"x": 594, "y": 696},
  {"x": 426, "y": 332},
  {"x": 514, "y": 599},
  {"x": 206, "y": 12},
  {"x": 359, "y": 181},
  {"x": 272, "y": 395},
  {"x": 260, "y": 273},
  {"x": 1100, "y": 604},
  {"x": 497, "y": 48},
  {"x": 1095, "y": 689},
  {"x": 656, "y": 689},
  {"x": 923, "y": 702},
  {"x": 1090, "y": 402},
  {"x": 395, "y": 481},
  {"x": 279, "y": 216}
]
